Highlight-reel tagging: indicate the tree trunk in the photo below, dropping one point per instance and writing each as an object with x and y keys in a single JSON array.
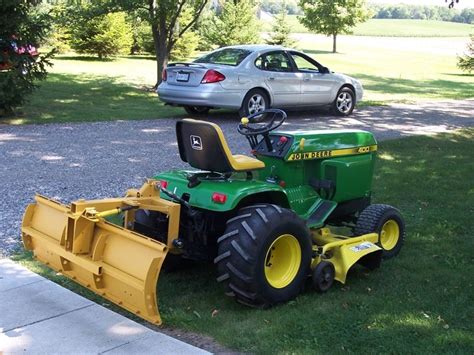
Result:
[
  {"x": 334, "y": 35},
  {"x": 161, "y": 54},
  {"x": 162, "y": 62}
]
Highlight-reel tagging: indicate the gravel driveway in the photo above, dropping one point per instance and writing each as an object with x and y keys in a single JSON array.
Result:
[{"x": 96, "y": 160}]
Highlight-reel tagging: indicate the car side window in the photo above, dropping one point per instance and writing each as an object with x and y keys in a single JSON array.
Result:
[
  {"x": 259, "y": 62},
  {"x": 276, "y": 61},
  {"x": 303, "y": 64}
]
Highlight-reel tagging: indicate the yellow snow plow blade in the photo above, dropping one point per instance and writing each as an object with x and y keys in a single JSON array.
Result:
[{"x": 114, "y": 262}]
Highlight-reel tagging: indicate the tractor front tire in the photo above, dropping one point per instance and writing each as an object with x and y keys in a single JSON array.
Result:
[
  {"x": 388, "y": 223},
  {"x": 264, "y": 255}
]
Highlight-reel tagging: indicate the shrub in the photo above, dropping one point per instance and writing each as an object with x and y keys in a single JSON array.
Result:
[
  {"x": 103, "y": 35},
  {"x": 236, "y": 24},
  {"x": 22, "y": 27},
  {"x": 466, "y": 62}
]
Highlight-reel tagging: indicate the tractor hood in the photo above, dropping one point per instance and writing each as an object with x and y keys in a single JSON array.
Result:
[{"x": 320, "y": 144}]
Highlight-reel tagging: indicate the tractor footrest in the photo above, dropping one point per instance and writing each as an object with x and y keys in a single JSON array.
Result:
[{"x": 323, "y": 209}]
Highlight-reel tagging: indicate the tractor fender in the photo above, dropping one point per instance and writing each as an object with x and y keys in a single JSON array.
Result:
[
  {"x": 240, "y": 196},
  {"x": 238, "y": 192}
]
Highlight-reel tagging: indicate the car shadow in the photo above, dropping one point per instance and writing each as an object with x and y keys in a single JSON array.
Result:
[{"x": 233, "y": 115}]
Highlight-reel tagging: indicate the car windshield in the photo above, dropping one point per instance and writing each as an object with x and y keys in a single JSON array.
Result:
[{"x": 228, "y": 56}]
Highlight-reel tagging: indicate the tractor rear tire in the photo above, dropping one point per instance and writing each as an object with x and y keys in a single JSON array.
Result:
[
  {"x": 264, "y": 255},
  {"x": 388, "y": 223}
]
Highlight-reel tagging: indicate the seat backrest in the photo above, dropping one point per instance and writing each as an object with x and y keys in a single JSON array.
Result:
[
  {"x": 274, "y": 64},
  {"x": 203, "y": 146}
]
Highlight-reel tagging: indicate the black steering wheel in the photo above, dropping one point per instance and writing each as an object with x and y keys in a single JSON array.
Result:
[{"x": 261, "y": 123}]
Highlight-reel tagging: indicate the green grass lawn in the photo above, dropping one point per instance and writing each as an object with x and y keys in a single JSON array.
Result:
[
  {"x": 66, "y": 97},
  {"x": 395, "y": 28},
  {"x": 418, "y": 302}
]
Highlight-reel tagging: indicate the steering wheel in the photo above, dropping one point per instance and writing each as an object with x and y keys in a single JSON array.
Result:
[{"x": 261, "y": 123}]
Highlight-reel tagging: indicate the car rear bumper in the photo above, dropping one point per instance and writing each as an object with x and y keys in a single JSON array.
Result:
[{"x": 210, "y": 95}]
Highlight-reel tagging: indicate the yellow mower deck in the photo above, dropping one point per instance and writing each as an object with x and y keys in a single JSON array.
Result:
[
  {"x": 343, "y": 252},
  {"x": 118, "y": 264}
]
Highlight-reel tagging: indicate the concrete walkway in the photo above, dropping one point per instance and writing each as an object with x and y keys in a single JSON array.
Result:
[{"x": 39, "y": 316}]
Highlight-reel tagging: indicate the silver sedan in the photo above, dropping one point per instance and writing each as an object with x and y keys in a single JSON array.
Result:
[{"x": 252, "y": 78}]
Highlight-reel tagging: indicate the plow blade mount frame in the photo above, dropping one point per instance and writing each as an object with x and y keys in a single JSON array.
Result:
[{"x": 116, "y": 263}]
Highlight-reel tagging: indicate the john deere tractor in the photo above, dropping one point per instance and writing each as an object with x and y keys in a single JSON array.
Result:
[{"x": 263, "y": 220}]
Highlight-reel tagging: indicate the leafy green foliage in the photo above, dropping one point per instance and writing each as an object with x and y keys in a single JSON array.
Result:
[
  {"x": 182, "y": 49},
  {"x": 185, "y": 46},
  {"x": 466, "y": 62},
  {"x": 333, "y": 17},
  {"x": 59, "y": 39},
  {"x": 281, "y": 30},
  {"x": 163, "y": 17},
  {"x": 419, "y": 12},
  {"x": 58, "y": 36},
  {"x": 141, "y": 34},
  {"x": 103, "y": 35},
  {"x": 235, "y": 24},
  {"x": 21, "y": 26},
  {"x": 277, "y": 6}
]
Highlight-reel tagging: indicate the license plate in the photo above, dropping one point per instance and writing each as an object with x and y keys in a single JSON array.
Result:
[{"x": 182, "y": 77}]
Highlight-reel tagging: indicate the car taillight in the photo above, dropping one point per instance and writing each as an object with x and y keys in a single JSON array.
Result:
[
  {"x": 219, "y": 198},
  {"x": 212, "y": 76},
  {"x": 164, "y": 75}
]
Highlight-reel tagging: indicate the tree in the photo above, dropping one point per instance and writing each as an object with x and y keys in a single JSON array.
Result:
[
  {"x": 183, "y": 48},
  {"x": 235, "y": 24},
  {"x": 104, "y": 35},
  {"x": 21, "y": 28},
  {"x": 466, "y": 63},
  {"x": 332, "y": 17},
  {"x": 187, "y": 43},
  {"x": 280, "y": 34},
  {"x": 163, "y": 16}
]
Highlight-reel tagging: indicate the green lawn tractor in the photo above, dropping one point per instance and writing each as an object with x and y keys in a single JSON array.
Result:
[{"x": 263, "y": 220}]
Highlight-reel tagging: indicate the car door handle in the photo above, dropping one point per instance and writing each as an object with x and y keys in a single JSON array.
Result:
[
  {"x": 305, "y": 79},
  {"x": 271, "y": 78}
]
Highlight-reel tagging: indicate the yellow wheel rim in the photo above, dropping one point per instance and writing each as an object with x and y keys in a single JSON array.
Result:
[
  {"x": 389, "y": 234},
  {"x": 282, "y": 261}
]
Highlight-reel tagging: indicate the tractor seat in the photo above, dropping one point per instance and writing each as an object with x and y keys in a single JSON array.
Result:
[{"x": 202, "y": 144}]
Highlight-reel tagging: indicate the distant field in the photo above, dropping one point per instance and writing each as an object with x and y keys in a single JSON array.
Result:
[
  {"x": 396, "y": 69},
  {"x": 397, "y": 28},
  {"x": 413, "y": 28}
]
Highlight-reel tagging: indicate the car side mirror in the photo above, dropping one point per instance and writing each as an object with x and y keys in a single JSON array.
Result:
[{"x": 325, "y": 70}]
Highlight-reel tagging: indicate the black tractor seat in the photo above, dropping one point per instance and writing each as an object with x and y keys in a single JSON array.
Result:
[{"x": 202, "y": 144}]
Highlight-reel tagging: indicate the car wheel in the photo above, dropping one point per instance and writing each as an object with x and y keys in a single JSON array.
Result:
[
  {"x": 196, "y": 110},
  {"x": 255, "y": 101},
  {"x": 344, "y": 103}
]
